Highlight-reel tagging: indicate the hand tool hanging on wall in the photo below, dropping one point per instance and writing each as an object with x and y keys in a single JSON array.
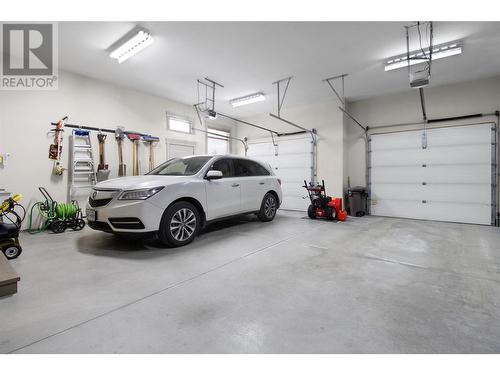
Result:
[
  {"x": 120, "y": 136},
  {"x": 55, "y": 149},
  {"x": 103, "y": 168},
  {"x": 135, "y": 152},
  {"x": 152, "y": 142}
]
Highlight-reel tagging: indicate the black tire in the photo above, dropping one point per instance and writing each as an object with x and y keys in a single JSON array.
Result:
[
  {"x": 268, "y": 207},
  {"x": 78, "y": 224},
  {"x": 331, "y": 213},
  {"x": 177, "y": 227},
  {"x": 311, "y": 212},
  {"x": 12, "y": 252},
  {"x": 58, "y": 226}
]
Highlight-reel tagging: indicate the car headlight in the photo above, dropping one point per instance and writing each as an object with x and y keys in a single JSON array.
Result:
[{"x": 139, "y": 194}]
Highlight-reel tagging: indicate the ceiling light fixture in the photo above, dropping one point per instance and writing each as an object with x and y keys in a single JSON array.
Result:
[
  {"x": 438, "y": 52},
  {"x": 132, "y": 46},
  {"x": 244, "y": 100}
]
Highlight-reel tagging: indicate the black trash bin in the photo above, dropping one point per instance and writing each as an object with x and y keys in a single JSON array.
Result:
[{"x": 357, "y": 200}]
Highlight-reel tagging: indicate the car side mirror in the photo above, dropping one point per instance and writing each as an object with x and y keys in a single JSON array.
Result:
[{"x": 213, "y": 175}]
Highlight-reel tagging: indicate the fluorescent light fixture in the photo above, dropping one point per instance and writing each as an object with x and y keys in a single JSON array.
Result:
[
  {"x": 132, "y": 46},
  {"x": 438, "y": 52},
  {"x": 244, "y": 100}
]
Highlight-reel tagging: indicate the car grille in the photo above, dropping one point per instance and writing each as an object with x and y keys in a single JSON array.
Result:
[
  {"x": 101, "y": 197},
  {"x": 99, "y": 202}
]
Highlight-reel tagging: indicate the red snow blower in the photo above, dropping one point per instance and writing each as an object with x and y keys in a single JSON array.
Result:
[{"x": 323, "y": 206}]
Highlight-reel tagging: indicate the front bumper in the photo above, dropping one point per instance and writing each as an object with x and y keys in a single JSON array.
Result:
[{"x": 126, "y": 217}]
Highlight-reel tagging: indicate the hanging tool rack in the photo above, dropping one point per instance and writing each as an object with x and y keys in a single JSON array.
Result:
[{"x": 102, "y": 130}]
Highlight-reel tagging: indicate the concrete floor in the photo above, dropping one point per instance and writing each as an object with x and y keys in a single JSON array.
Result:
[{"x": 369, "y": 285}]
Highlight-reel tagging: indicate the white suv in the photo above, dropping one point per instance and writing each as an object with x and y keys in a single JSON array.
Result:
[{"x": 180, "y": 196}]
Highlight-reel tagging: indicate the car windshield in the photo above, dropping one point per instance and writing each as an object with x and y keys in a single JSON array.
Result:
[{"x": 181, "y": 167}]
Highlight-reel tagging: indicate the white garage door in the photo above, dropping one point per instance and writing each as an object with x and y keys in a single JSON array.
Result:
[
  {"x": 450, "y": 180},
  {"x": 293, "y": 164}
]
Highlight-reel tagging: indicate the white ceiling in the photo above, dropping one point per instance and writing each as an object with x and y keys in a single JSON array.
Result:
[{"x": 246, "y": 57}]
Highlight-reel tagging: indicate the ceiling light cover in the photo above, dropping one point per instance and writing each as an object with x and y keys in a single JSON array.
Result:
[
  {"x": 438, "y": 52},
  {"x": 253, "y": 98},
  {"x": 132, "y": 46}
]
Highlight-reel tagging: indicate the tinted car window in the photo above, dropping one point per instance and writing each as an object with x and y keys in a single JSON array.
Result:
[
  {"x": 181, "y": 167},
  {"x": 246, "y": 168},
  {"x": 225, "y": 166}
]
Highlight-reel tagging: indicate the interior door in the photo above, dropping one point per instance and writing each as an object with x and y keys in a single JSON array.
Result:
[
  {"x": 179, "y": 150},
  {"x": 223, "y": 195},
  {"x": 449, "y": 180}
]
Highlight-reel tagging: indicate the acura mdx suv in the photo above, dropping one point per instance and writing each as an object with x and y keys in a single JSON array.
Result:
[{"x": 180, "y": 196}]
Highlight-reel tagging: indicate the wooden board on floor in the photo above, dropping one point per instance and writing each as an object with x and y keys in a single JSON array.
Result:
[{"x": 8, "y": 277}]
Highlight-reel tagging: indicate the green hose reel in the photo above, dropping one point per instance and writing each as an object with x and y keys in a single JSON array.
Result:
[{"x": 56, "y": 216}]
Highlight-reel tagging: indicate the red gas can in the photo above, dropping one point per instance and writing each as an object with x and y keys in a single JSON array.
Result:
[{"x": 336, "y": 203}]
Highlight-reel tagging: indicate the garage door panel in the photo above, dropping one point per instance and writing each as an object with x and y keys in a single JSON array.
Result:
[
  {"x": 459, "y": 193},
  {"x": 403, "y": 174},
  {"x": 480, "y": 153},
  {"x": 397, "y": 157},
  {"x": 300, "y": 160},
  {"x": 293, "y": 175},
  {"x": 396, "y": 142},
  {"x": 456, "y": 177},
  {"x": 295, "y": 203},
  {"x": 294, "y": 145},
  {"x": 476, "y": 173},
  {"x": 460, "y": 213},
  {"x": 262, "y": 149},
  {"x": 460, "y": 135},
  {"x": 294, "y": 189},
  {"x": 473, "y": 193}
]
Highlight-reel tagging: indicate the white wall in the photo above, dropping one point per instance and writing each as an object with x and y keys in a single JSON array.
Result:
[
  {"x": 327, "y": 119},
  {"x": 481, "y": 96},
  {"x": 25, "y": 118}
]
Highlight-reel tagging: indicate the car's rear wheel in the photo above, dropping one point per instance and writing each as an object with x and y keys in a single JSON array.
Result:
[
  {"x": 179, "y": 225},
  {"x": 268, "y": 207}
]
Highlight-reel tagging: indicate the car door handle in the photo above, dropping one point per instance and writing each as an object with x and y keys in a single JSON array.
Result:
[
  {"x": 261, "y": 183},
  {"x": 235, "y": 185}
]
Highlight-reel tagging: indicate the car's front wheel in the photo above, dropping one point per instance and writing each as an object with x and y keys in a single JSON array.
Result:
[
  {"x": 268, "y": 207},
  {"x": 179, "y": 225}
]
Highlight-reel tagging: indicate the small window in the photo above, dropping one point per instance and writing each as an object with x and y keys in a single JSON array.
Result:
[
  {"x": 217, "y": 142},
  {"x": 247, "y": 168},
  {"x": 225, "y": 166},
  {"x": 178, "y": 124}
]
